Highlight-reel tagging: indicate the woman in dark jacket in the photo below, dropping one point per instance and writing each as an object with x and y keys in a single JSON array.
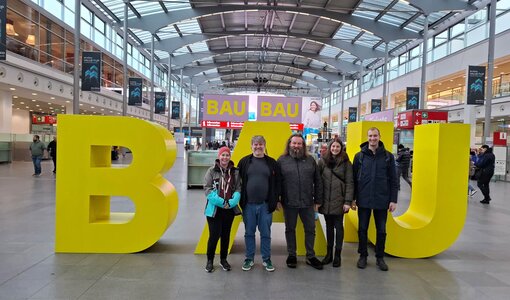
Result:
[
  {"x": 222, "y": 188},
  {"x": 338, "y": 191}
]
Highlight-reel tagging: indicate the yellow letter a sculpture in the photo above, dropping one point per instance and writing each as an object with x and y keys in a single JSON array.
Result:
[
  {"x": 438, "y": 207},
  {"x": 86, "y": 180}
]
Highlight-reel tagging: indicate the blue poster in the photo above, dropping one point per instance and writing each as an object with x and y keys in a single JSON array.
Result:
[
  {"x": 159, "y": 102},
  {"x": 176, "y": 110},
  {"x": 412, "y": 98},
  {"x": 91, "y": 71},
  {"x": 353, "y": 114},
  {"x": 375, "y": 106},
  {"x": 135, "y": 91},
  {"x": 476, "y": 85}
]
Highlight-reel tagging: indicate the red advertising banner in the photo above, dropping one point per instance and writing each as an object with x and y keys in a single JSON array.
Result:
[
  {"x": 44, "y": 119},
  {"x": 238, "y": 125},
  {"x": 409, "y": 119},
  {"x": 499, "y": 138}
]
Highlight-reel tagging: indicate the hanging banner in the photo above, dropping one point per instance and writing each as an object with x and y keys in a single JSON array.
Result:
[
  {"x": 233, "y": 108},
  {"x": 312, "y": 112},
  {"x": 91, "y": 71},
  {"x": 3, "y": 25},
  {"x": 176, "y": 110},
  {"x": 159, "y": 102},
  {"x": 375, "y": 106},
  {"x": 412, "y": 98},
  {"x": 476, "y": 85},
  {"x": 279, "y": 109},
  {"x": 135, "y": 91},
  {"x": 353, "y": 112}
]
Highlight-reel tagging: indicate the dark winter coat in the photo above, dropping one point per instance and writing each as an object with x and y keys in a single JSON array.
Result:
[
  {"x": 301, "y": 184},
  {"x": 273, "y": 193},
  {"x": 486, "y": 163},
  {"x": 403, "y": 158},
  {"x": 375, "y": 178},
  {"x": 337, "y": 184}
]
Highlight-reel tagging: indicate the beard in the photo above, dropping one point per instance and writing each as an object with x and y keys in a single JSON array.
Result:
[{"x": 297, "y": 153}]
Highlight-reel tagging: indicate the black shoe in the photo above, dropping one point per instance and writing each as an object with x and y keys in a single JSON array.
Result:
[
  {"x": 314, "y": 262},
  {"x": 54, "y": 172},
  {"x": 381, "y": 264},
  {"x": 225, "y": 265},
  {"x": 328, "y": 258},
  {"x": 362, "y": 262},
  {"x": 209, "y": 268},
  {"x": 337, "y": 262},
  {"x": 485, "y": 201},
  {"x": 291, "y": 261}
]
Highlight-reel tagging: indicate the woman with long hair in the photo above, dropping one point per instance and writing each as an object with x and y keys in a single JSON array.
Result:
[
  {"x": 338, "y": 191},
  {"x": 223, "y": 192}
]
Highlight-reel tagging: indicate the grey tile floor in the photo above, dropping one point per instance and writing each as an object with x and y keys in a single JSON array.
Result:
[{"x": 477, "y": 266}]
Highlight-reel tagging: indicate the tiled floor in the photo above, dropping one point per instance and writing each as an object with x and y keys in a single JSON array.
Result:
[{"x": 477, "y": 266}]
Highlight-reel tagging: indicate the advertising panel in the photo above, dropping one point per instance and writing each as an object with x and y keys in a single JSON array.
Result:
[
  {"x": 412, "y": 98},
  {"x": 409, "y": 119},
  {"x": 312, "y": 112},
  {"x": 375, "y": 106},
  {"x": 3, "y": 27},
  {"x": 135, "y": 91},
  {"x": 91, "y": 71},
  {"x": 353, "y": 113},
  {"x": 383, "y": 116},
  {"x": 176, "y": 110},
  {"x": 232, "y": 108},
  {"x": 159, "y": 102},
  {"x": 476, "y": 85},
  {"x": 279, "y": 109}
]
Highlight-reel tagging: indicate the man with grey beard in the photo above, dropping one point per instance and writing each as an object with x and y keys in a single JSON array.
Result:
[{"x": 301, "y": 194}]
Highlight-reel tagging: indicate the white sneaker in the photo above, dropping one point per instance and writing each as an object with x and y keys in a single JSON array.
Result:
[{"x": 473, "y": 192}]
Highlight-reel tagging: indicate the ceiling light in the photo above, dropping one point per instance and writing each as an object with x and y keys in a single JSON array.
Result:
[
  {"x": 102, "y": 109},
  {"x": 30, "y": 110},
  {"x": 81, "y": 104},
  {"x": 20, "y": 103},
  {"x": 37, "y": 105},
  {"x": 52, "y": 98},
  {"x": 92, "y": 107},
  {"x": 62, "y": 106},
  {"x": 12, "y": 89},
  {"x": 68, "y": 101},
  {"x": 34, "y": 94},
  {"x": 17, "y": 107},
  {"x": 51, "y": 107},
  {"x": 49, "y": 103},
  {"x": 33, "y": 100},
  {"x": 15, "y": 97},
  {"x": 27, "y": 107}
]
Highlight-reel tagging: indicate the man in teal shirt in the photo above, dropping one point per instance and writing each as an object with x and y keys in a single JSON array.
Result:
[{"x": 37, "y": 151}]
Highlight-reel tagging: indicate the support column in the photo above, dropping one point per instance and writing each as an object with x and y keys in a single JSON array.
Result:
[
  {"x": 189, "y": 108},
  {"x": 490, "y": 73},
  {"x": 169, "y": 92},
  {"x": 470, "y": 118},
  {"x": 330, "y": 104},
  {"x": 124, "y": 61},
  {"x": 341, "y": 117},
  {"x": 77, "y": 69},
  {"x": 152, "y": 96},
  {"x": 360, "y": 85},
  {"x": 385, "y": 101},
  {"x": 180, "y": 110},
  {"x": 423, "y": 86},
  {"x": 5, "y": 112}
]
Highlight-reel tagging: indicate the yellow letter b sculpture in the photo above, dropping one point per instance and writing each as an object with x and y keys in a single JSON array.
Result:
[
  {"x": 86, "y": 180},
  {"x": 438, "y": 207}
]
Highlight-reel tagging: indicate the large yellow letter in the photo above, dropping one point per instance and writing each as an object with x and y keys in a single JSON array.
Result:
[
  {"x": 212, "y": 107},
  {"x": 86, "y": 181},
  {"x": 265, "y": 109},
  {"x": 438, "y": 207},
  {"x": 226, "y": 108},
  {"x": 275, "y": 134}
]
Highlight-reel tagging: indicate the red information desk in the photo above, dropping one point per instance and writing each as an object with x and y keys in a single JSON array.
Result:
[{"x": 411, "y": 118}]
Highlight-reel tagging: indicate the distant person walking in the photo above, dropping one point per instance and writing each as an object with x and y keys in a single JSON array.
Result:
[
  {"x": 402, "y": 163},
  {"x": 485, "y": 163},
  {"x": 37, "y": 150},
  {"x": 52, "y": 150}
]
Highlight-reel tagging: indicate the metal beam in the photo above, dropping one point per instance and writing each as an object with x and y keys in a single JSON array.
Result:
[
  {"x": 387, "y": 32},
  {"x": 387, "y": 8},
  {"x": 428, "y": 7}
]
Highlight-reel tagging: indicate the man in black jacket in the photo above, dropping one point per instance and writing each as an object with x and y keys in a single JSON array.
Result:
[
  {"x": 485, "y": 163},
  {"x": 403, "y": 161},
  {"x": 301, "y": 195},
  {"x": 52, "y": 149},
  {"x": 375, "y": 189},
  {"x": 260, "y": 177}
]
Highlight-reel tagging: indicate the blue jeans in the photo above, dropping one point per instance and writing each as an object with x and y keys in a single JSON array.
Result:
[
  {"x": 257, "y": 215},
  {"x": 36, "y": 159},
  {"x": 380, "y": 216}
]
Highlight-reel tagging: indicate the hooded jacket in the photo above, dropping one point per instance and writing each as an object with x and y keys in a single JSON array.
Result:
[
  {"x": 301, "y": 182},
  {"x": 375, "y": 178},
  {"x": 337, "y": 184},
  {"x": 486, "y": 162},
  {"x": 215, "y": 197}
]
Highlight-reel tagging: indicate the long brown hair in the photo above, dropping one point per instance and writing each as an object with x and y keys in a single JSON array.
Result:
[
  {"x": 341, "y": 156},
  {"x": 287, "y": 147}
]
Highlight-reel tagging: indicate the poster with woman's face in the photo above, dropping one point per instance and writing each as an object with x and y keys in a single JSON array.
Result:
[{"x": 312, "y": 108}]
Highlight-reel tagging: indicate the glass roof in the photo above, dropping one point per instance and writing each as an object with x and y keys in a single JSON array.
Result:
[{"x": 144, "y": 8}]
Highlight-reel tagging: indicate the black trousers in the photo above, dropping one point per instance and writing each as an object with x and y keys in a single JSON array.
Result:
[
  {"x": 219, "y": 227},
  {"x": 380, "y": 217},
  {"x": 335, "y": 222},
  {"x": 483, "y": 184},
  {"x": 54, "y": 158}
]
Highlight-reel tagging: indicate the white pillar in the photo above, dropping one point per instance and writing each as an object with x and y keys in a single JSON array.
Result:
[
  {"x": 69, "y": 109},
  {"x": 470, "y": 118},
  {"x": 5, "y": 111}
]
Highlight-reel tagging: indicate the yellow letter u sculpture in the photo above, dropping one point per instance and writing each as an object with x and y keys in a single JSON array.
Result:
[{"x": 438, "y": 207}]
